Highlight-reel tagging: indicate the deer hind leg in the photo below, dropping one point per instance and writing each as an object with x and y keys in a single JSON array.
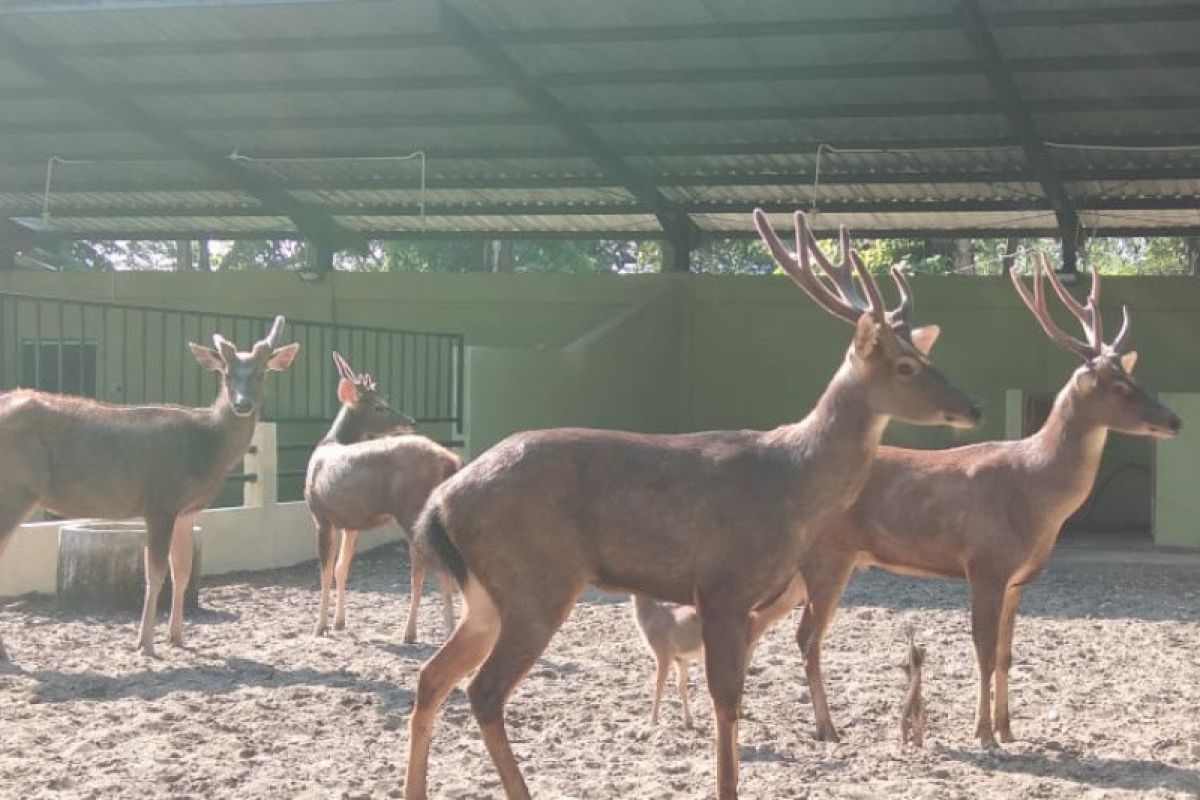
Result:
[
  {"x": 158, "y": 546},
  {"x": 325, "y": 564},
  {"x": 681, "y": 675},
  {"x": 826, "y": 579},
  {"x": 527, "y": 624},
  {"x": 12, "y": 511},
  {"x": 461, "y": 653},
  {"x": 1008, "y": 621},
  {"x": 726, "y": 635},
  {"x": 662, "y": 670},
  {"x": 417, "y": 559},
  {"x": 446, "y": 586},
  {"x": 349, "y": 541},
  {"x": 987, "y": 599},
  {"x": 181, "y": 574}
]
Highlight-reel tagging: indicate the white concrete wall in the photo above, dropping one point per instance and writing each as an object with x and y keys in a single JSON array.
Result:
[{"x": 263, "y": 534}]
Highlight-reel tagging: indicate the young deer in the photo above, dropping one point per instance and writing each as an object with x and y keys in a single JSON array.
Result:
[
  {"x": 82, "y": 458},
  {"x": 368, "y": 470},
  {"x": 912, "y": 714},
  {"x": 987, "y": 512},
  {"x": 717, "y": 519},
  {"x": 672, "y": 633}
]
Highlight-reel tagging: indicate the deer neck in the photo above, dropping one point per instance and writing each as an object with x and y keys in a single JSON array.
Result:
[
  {"x": 233, "y": 432},
  {"x": 841, "y": 434},
  {"x": 1066, "y": 452},
  {"x": 344, "y": 430}
]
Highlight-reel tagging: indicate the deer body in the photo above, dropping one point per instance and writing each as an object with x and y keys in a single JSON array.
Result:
[
  {"x": 716, "y": 519},
  {"x": 80, "y": 457},
  {"x": 363, "y": 474},
  {"x": 989, "y": 512}
]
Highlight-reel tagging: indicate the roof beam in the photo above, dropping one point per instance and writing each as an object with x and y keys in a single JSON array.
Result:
[
  {"x": 63, "y": 188},
  {"x": 1020, "y": 119},
  {"x": 627, "y": 77},
  {"x": 569, "y": 124},
  {"x": 313, "y": 223},
  {"x": 1131, "y": 14},
  {"x": 474, "y": 119}
]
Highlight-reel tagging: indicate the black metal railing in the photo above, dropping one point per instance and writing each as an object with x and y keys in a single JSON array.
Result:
[{"x": 138, "y": 354}]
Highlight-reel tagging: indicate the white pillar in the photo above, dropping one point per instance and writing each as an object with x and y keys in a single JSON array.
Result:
[{"x": 262, "y": 460}]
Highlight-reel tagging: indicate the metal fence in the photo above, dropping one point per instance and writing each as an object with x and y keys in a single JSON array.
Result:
[{"x": 138, "y": 354}]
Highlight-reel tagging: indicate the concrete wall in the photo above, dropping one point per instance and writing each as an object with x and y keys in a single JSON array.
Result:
[
  {"x": 1177, "y": 503},
  {"x": 688, "y": 352}
]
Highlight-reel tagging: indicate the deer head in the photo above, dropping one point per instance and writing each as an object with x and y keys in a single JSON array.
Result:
[
  {"x": 890, "y": 355},
  {"x": 1104, "y": 387},
  {"x": 242, "y": 374},
  {"x": 366, "y": 413}
]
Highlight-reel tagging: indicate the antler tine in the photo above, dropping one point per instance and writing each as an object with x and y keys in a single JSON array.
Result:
[
  {"x": 1037, "y": 306},
  {"x": 901, "y": 312},
  {"x": 799, "y": 267},
  {"x": 1089, "y": 315},
  {"x": 841, "y": 274},
  {"x": 1122, "y": 335},
  {"x": 342, "y": 367},
  {"x": 877, "y": 307},
  {"x": 276, "y": 328}
]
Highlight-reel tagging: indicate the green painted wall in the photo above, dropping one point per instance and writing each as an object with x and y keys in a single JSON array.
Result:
[
  {"x": 688, "y": 352},
  {"x": 1177, "y": 504}
]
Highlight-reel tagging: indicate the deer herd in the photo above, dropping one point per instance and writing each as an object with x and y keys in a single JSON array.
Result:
[{"x": 716, "y": 535}]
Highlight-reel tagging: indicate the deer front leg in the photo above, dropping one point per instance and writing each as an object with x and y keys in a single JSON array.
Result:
[
  {"x": 349, "y": 541},
  {"x": 1008, "y": 621},
  {"x": 662, "y": 669},
  {"x": 726, "y": 635},
  {"x": 325, "y": 565},
  {"x": 158, "y": 546},
  {"x": 987, "y": 599},
  {"x": 181, "y": 574},
  {"x": 825, "y": 576}
]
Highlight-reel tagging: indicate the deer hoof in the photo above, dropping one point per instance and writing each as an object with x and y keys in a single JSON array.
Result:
[
  {"x": 410, "y": 637},
  {"x": 827, "y": 734},
  {"x": 176, "y": 639},
  {"x": 320, "y": 629},
  {"x": 339, "y": 624},
  {"x": 1005, "y": 734}
]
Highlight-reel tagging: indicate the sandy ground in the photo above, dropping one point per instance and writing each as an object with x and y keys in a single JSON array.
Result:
[{"x": 1106, "y": 699}]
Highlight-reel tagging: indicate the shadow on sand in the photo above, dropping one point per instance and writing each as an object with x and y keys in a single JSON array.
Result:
[{"x": 1103, "y": 773}]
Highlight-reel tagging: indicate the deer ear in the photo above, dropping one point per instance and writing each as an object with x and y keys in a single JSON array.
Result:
[
  {"x": 207, "y": 357},
  {"x": 346, "y": 393},
  {"x": 923, "y": 338},
  {"x": 1128, "y": 360},
  {"x": 866, "y": 334},
  {"x": 283, "y": 357}
]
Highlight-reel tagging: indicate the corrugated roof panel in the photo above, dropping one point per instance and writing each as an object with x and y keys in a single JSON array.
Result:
[
  {"x": 505, "y": 224},
  {"x": 863, "y": 192},
  {"x": 147, "y": 226},
  {"x": 862, "y": 223},
  {"x": 412, "y": 196}
]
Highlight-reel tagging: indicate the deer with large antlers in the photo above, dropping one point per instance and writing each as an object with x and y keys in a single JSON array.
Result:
[
  {"x": 372, "y": 468},
  {"x": 716, "y": 519},
  {"x": 82, "y": 458},
  {"x": 988, "y": 512}
]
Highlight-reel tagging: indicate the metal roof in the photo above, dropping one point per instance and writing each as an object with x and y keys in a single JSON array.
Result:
[{"x": 189, "y": 118}]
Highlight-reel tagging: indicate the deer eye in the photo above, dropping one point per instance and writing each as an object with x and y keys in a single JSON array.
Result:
[{"x": 906, "y": 368}]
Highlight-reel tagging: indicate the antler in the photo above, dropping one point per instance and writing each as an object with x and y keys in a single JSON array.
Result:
[
  {"x": 1087, "y": 314},
  {"x": 846, "y": 301},
  {"x": 272, "y": 337},
  {"x": 362, "y": 380}
]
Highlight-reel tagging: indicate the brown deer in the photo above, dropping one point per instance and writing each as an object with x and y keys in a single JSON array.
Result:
[
  {"x": 912, "y": 713},
  {"x": 371, "y": 468},
  {"x": 672, "y": 634},
  {"x": 83, "y": 458},
  {"x": 718, "y": 520},
  {"x": 987, "y": 512}
]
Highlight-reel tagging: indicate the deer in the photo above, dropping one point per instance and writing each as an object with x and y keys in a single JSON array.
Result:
[
  {"x": 369, "y": 469},
  {"x": 672, "y": 634},
  {"x": 912, "y": 713},
  {"x": 989, "y": 512},
  {"x": 79, "y": 457},
  {"x": 716, "y": 519}
]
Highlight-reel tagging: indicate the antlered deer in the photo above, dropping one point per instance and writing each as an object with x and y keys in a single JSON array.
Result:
[
  {"x": 371, "y": 468},
  {"x": 987, "y": 512},
  {"x": 715, "y": 519},
  {"x": 82, "y": 458}
]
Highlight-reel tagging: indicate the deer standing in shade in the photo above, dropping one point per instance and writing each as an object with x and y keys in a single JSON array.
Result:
[
  {"x": 718, "y": 519},
  {"x": 83, "y": 458},
  {"x": 988, "y": 512},
  {"x": 371, "y": 468}
]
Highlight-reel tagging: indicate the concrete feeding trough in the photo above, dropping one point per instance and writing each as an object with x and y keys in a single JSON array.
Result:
[{"x": 101, "y": 567}]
